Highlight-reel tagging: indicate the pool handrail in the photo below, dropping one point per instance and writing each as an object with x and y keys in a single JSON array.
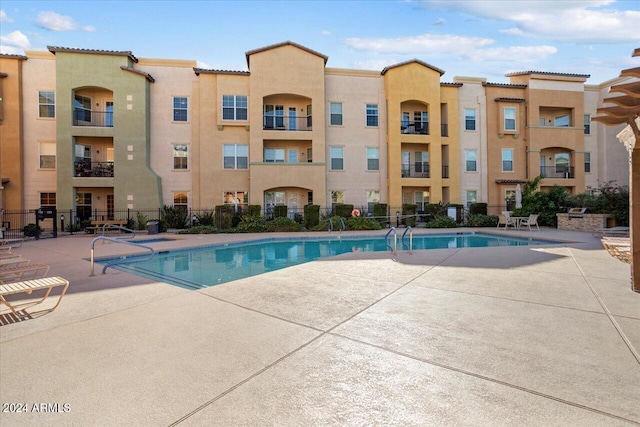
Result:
[
  {"x": 119, "y": 261},
  {"x": 410, "y": 245},
  {"x": 393, "y": 248}
]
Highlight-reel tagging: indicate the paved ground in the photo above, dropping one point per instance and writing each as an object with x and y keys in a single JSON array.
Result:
[{"x": 545, "y": 335}]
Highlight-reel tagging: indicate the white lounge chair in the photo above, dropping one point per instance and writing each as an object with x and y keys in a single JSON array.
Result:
[
  {"x": 505, "y": 221},
  {"x": 27, "y": 287},
  {"x": 532, "y": 221}
]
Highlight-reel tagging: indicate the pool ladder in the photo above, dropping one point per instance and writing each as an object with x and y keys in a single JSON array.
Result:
[
  {"x": 343, "y": 227},
  {"x": 121, "y": 260},
  {"x": 394, "y": 248}
]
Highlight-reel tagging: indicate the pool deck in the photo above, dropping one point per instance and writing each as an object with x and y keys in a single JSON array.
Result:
[{"x": 510, "y": 336}]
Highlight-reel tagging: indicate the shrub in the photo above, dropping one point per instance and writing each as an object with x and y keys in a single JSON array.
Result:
[
  {"x": 199, "y": 229},
  {"x": 254, "y": 210},
  {"x": 324, "y": 224},
  {"x": 362, "y": 223},
  {"x": 252, "y": 224},
  {"x": 343, "y": 209},
  {"x": 283, "y": 224},
  {"x": 174, "y": 217},
  {"x": 280, "y": 211},
  {"x": 141, "y": 221},
  {"x": 224, "y": 216},
  {"x": 441, "y": 221},
  {"x": 380, "y": 213},
  {"x": 478, "y": 209},
  {"x": 206, "y": 218},
  {"x": 29, "y": 230},
  {"x": 311, "y": 215},
  {"x": 73, "y": 228},
  {"x": 409, "y": 210},
  {"x": 480, "y": 220}
]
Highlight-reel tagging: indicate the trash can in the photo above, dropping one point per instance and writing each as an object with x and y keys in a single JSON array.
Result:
[{"x": 153, "y": 227}]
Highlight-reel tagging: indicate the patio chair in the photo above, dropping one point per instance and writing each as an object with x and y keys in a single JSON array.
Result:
[
  {"x": 618, "y": 247},
  {"x": 5, "y": 249},
  {"x": 532, "y": 221},
  {"x": 506, "y": 221},
  {"x": 18, "y": 273},
  {"x": 27, "y": 287}
]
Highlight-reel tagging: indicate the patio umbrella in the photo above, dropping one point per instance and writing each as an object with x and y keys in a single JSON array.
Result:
[{"x": 518, "y": 197}]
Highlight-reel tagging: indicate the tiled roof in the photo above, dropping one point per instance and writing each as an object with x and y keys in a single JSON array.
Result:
[
  {"x": 54, "y": 49},
  {"x": 503, "y": 99},
  {"x": 504, "y": 85},
  {"x": 450, "y": 84},
  {"x": 199, "y": 71},
  {"x": 285, "y": 43},
  {"x": 547, "y": 73},
  {"x": 417, "y": 61},
  {"x": 142, "y": 73},
  {"x": 511, "y": 181},
  {"x": 12, "y": 56}
]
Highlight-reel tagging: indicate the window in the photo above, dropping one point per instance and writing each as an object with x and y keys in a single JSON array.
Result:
[
  {"x": 562, "y": 164},
  {"x": 337, "y": 197},
  {"x": 237, "y": 198},
  {"x": 180, "y": 157},
  {"x": 337, "y": 158},
  {"x": 469, "y": 119},
  {"x": 509, "y": 118},
  {"x": 421, "y": 198},
  {"x": 373, "y": 197},
  {"x": 372, "y": 114},
  {"x": 47, "y": 104},
  {"x": 470, "y": 157},
  {"x": 274, "y": 116},
  {"x": 335, "y": 110},
  {"x": 235, "y": 156},
  {"x": 82, "y": 109},
  {"x": 274, "y": 155},
  {"x": 472, "y": 197},
  {"x": 561, "y": 121},
  {"x": 587, "y": 124},
  {"x": 507, "y": 160},
  {"x": 180, "y": 200},
  {"x": 373, "y": 159},
  {"x": 48, "y": 200},
  {"x": 47, "y": 155},
  {"x": 587, "y": 162},
  {"x": 180, "y": 109},
  {"x": 234, "y": 107}
]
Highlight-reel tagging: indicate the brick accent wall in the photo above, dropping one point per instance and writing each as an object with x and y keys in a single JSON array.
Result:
[{"x": 588, "y": 223}]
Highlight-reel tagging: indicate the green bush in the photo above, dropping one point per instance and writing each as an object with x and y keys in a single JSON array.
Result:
[
  {"x": 478, "y": 209},
  {"x": 254, "y": 210},
  {"x": 206, "y": 218},
  {"x": 224, "y": 216},
  {"x": 343, "y": 209},
  {"x": 29, "y": 230},
  {"x": 141, "y": 221},
  {"x": 608, "y": 198},
  {"x": 362, "y": 223},
  {"x": 380, "y": 213},
  {"x": 72, "y": 228},
  {"x": 252, "y": 224},
  {"x": 441, "y": 221},
  {"x": 280, "y": 211},
  {"x": 199, "y": 229},
  {"x": 480, "y": 220},
  {"x": 283, "y": 224},
  {"x": 311, "y": 215},
  {"x": 324, "y": 223},
  {"x": 175, "y": 217},
  {"x": 409, "y": 210},
  {"x": 435, "y": 209}
]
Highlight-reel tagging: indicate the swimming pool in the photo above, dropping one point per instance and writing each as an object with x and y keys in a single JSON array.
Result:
[{"x": 212, "y": 265}]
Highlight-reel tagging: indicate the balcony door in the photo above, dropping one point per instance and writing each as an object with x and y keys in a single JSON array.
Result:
[
  {"x": 292, "y": 118},
  {"x": 108, "y": 114}
]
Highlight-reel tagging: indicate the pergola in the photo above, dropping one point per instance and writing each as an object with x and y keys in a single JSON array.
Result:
[{"x": 627, "y": 111}]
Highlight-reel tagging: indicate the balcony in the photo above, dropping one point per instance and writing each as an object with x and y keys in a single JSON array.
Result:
[
  {"x": 444, "y": 129},
  {"x": 416, "y": 170},
  {"x": 557, "y": 172},
  {"x": 415, "y": 128},
  {"x": 93, "y": 118},
  {"x": 288, "y": 123},
  {"x": 94, "y": 169},
  {"x": 445, "y": 171}
]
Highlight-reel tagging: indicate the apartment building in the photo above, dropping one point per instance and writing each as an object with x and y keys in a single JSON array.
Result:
[{"x": 100, "y": 131}]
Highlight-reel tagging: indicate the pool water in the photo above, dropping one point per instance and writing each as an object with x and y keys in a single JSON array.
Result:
[{"x": 204, "y": 267}]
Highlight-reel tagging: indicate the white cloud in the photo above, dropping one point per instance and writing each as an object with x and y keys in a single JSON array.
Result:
[
  {"x": 325, "y": 32},
  {"x": 4, "y": 17},
  {"x": 15, "y": 40},
  {"x": 55, "y": 22},
  {"x": 580, "y": 21},
  {"x": 512, "y": 32},
  {"x": 422, "y": 44},
  {"x": 512, "y": 54}
]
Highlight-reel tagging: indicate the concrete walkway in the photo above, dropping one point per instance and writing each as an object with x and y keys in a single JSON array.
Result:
[{"x": 514, "y": 336}]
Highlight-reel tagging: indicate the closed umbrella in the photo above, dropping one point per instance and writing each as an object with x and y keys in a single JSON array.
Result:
[{"x": 518, "y": 197}]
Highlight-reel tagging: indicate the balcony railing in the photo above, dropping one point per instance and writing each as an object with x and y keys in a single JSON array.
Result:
[
  {"x": 445, "y": 171},
  {"x": 93, "y": 118},
  {"x": 416, "y": 128},
  {"x": 562, "y": 172},
  {"x": 416, "y": 170},
  {"x": 287, "y": 123},
  {"x": 444, "y": 129},
  {"x": 94, "y": 169}
]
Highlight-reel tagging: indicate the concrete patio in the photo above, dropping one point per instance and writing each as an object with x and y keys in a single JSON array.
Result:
[{"x": 514, "y": 336}]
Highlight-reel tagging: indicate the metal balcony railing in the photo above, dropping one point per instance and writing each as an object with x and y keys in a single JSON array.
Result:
[
  {"x": 416, "y": 170},
  {"x": 415, "y": 128},
  {"x": 562, "y": 172},
  {"x": 287, "y": 123},
  {"x": 445, "y": 171},
  {"x": 444, "y": 129},
  {"x": 93, "y": 118},
  {"x": 94, "y": 169}
]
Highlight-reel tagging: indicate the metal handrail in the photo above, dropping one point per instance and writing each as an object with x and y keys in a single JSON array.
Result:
[
  {"x": 410, "y": 245},
  {"x": 343, "y": 227},
  {"x": 393, "y": 248},
  {"x": 118, "y": 240}
]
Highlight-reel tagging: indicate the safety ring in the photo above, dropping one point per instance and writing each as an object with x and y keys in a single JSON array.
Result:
[{"x": 355, "y": 213}]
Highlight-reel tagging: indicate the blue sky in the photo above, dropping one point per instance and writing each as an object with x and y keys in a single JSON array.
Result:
[{"x": 464, "y": 38}]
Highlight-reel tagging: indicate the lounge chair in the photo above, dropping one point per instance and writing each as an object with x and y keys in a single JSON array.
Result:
[
  {"x": 506, "y": 221},
  {"x": 618, "y": 247},
  {"x": 27, "y": 287},
  {"x": 5, "y": 249},
  {"x": 12, "y": 259},
  {"x": 532, "y": 221},
  {"x": 18, "y": 273}
]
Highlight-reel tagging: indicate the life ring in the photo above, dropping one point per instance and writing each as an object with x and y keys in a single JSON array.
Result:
[{"x": 355, "y": 213}]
